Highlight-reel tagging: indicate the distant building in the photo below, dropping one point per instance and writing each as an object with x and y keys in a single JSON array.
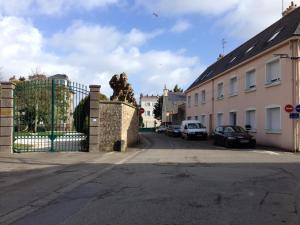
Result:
[
  {"x": 148, "y": 102},
  {"x": 171, "y": 103}
]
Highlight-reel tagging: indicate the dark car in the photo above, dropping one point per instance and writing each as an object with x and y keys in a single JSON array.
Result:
[
  {"x": 173, "y": 130},
  {"x": 231, "y": 136}
]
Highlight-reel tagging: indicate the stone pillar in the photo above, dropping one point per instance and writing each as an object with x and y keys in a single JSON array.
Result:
[
  {"x": 94, "y": 118},
  {"x": 6, "y": 117}
]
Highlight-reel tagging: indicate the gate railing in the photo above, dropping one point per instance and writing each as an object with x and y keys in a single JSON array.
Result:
[{"x": 50, "y": 115}]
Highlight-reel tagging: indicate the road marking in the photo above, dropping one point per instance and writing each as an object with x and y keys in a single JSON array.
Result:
[{"x": 267, "y": 152}]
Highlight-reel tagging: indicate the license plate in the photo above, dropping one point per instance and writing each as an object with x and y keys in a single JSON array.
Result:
[{"x": 244, "y": 141}]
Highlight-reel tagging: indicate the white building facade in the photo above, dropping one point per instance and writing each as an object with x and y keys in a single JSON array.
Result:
[{"x": 148, "y": 102}]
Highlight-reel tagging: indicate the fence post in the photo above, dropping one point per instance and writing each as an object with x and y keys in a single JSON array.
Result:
[
  {"x": 94, "y": 124},
  {"x": 6, "y": 117}
]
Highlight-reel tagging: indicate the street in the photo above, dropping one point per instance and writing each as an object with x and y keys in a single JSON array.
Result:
[{"x": 164, "y": 181}]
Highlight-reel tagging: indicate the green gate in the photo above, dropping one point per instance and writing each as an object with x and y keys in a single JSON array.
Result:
[{"x": 50, "y": 115}]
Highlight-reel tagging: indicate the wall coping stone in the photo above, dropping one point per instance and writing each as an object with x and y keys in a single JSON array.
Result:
[{"x": 117, "y": 103}]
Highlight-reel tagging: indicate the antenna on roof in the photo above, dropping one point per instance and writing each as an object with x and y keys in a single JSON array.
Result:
[{"x": 224, "y": 42}]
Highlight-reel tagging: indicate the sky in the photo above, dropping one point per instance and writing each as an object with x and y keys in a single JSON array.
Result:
[{"x": 155, "y": 42}]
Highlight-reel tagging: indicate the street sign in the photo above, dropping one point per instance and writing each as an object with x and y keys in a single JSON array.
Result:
[
  {"x": 289, "y": 108},
  {"x": 142, "y": 110},
  {"x": 297, "y": 108},
  {"x": 294, "y": 115}
]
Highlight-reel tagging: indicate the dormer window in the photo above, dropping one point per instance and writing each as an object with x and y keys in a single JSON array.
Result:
[
  {"x": 234, "y": 58},
  {"x": 250, "y": 49},
  {"x": 274, "y": 36}
]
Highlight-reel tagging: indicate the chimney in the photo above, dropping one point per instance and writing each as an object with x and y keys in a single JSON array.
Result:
[
  {"x": 220, "y": 57},
  {"x": 290, "y": 9}
]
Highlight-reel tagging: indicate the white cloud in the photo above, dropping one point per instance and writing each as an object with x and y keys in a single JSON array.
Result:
[
  {"x": 180, "y": 7},
  {"x": 91, "y": 54},
  {"x": 239, "y": 18},
  {"x": 181, "y": 26},
  {"x": 49, "y": 7}
]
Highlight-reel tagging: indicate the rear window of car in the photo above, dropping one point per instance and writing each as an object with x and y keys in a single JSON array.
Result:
[{"x": 195, "y": 126}]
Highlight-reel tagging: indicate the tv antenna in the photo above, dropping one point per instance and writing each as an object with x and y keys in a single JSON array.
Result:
[{"x": 224, "y": 42}]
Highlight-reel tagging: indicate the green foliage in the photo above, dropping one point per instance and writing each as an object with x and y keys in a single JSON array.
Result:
[
  {"x": 141, "y": 120},
  {"x": 157, "y": 111},
  {"x": 103, "y": 97},
  {"x": 81, "y": 116},
  {"x": 177, "y": 89}
]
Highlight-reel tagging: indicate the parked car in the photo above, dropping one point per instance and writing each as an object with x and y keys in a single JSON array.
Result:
[
  {"x": 173, "y": 130},
  {"x": 161, "y": 129},
  {"x": 193, "y": 129},
  {"x": 230, "y": 136}
]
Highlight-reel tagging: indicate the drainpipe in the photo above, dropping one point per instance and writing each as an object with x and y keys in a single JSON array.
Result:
[
  {"x": 213, "y": 105},
  {"x": 294, "y": 45}
]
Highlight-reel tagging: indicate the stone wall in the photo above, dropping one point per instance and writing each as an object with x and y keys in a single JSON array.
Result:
[
  {"x": 6, "y": 117},
  {"x": 118, "y": 126}
]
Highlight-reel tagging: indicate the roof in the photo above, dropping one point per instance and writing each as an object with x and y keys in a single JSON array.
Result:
[{"x": 285, "y": 28}]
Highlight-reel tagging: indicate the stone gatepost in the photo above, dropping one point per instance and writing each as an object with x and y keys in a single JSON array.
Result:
[
  {"x": 6, "y": 117},
  {"x": 94, "y": 118}
]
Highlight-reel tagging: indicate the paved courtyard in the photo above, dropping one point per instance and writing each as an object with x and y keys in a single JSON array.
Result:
[{"x": 166, "y": 181}]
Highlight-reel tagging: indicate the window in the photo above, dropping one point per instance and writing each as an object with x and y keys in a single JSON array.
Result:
[
  {"x": 196, "y": 117},
  {"x": 232, "y": 118},
  {"x": 250, "y": 120},
  {"x": 233, "y": 86},
  {"x": 273, "y": 122},
  {"x": 220, "y": 91},
  {"x": 189, "y": 101},
  {"x": 219, "y": 119},
  {"x": 148, "y": 104},
  {"x": 189, "y": 118},
  {"x": 203, "y": 120},
  {"x": 203, "y": 97},
  {"x": 196, "y": 99},
  {"x": 273, "y": 72},
  {"x": 250, "y": 80},
  {"x": 148, "y": 113}
]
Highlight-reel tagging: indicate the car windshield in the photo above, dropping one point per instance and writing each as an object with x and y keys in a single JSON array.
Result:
[
  {"x": 195, "y": 126},
  {"x": 234, "y": 129},
  {"x": 176, "y": 127}
]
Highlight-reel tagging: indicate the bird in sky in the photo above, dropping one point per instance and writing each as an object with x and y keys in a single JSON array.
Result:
[{"x": 155, "y": 14}]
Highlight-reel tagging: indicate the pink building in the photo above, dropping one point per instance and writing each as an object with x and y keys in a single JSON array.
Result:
[{"x": 251, "y": 85}]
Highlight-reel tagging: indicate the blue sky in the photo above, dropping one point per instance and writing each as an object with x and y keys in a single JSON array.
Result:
[{"x": 91, "y": 40}]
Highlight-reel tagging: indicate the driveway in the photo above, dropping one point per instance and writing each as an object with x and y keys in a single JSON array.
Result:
[{"x": 170, "y": 182}]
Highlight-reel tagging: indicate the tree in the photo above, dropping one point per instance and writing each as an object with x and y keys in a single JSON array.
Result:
[
  {"x": 177, "y": 89},
  {"x": 157, "y": 111},
  {"x": 33, "y": 102},
  {"x": 103, "y": 97}
]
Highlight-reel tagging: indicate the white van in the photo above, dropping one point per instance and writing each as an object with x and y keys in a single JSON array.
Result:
[{"x": 193, "y": 128}]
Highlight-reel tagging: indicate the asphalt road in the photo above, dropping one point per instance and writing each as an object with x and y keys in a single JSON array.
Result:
[{"x": 172, "y": 182}]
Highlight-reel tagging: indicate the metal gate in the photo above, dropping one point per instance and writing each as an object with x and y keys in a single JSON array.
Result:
[{"x": 50, "y": 115}]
